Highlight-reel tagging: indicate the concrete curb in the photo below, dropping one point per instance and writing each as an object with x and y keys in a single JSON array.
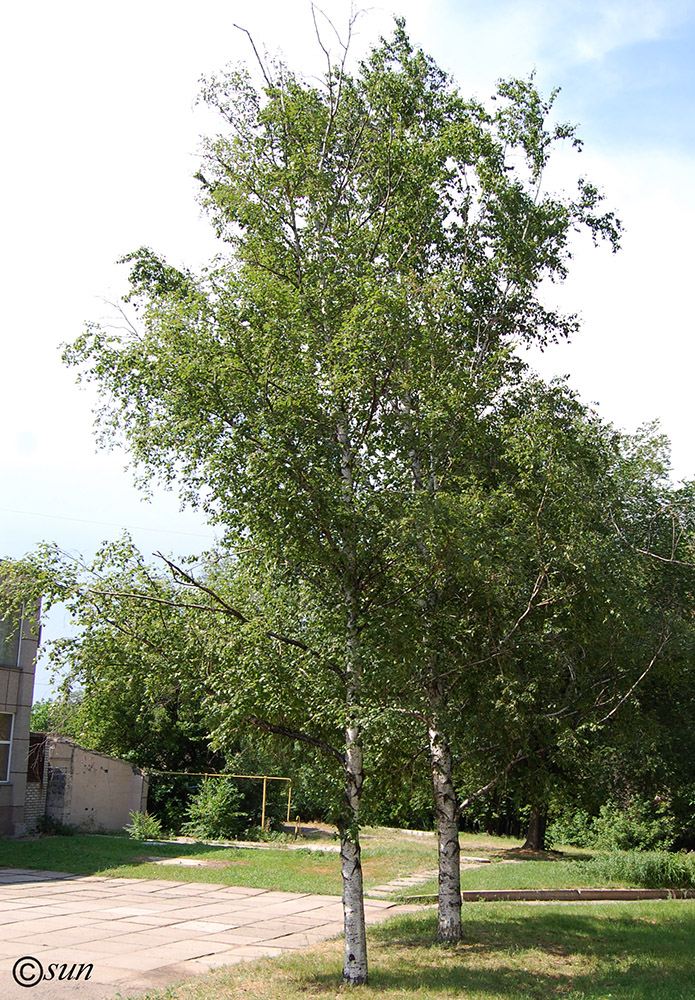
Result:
[{"x": 559, "y": 895}]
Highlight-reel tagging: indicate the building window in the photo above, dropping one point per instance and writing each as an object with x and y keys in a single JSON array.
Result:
[
  {"x": 6, "y": 720},
  {"x": 9, "y": 642}
]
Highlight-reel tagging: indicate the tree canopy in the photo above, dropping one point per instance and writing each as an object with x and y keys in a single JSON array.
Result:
[{"x": 329, "y": 390}]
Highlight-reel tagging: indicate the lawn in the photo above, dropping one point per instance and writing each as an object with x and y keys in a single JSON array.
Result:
[
  {"x": 512, "y": 951},
  {"x": 386, "y": 855},
  {"x": 548, "y": 874}
]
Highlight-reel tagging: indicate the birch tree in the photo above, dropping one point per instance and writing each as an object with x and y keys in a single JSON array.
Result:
[{"x": 316, "y": 390}]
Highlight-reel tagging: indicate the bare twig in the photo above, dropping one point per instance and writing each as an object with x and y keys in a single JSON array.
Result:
[
  {"x": 491, "y": 784},
  {"x": 664, "y": 640},
  {"x": 260, "y": 62}
]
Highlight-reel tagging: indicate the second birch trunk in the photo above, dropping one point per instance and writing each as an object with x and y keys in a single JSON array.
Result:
[{"x": 449, "y": 927}]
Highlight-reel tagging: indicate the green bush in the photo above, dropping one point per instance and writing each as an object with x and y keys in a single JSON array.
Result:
[
  {"x": 213, "y": 812},
  {"x": 144, "y": 826},
  {"x": 642, "y": 869},
  {"x": 643, "y": 826},
  {"x": 167, "y": 797},
  {"x": 50, "y": 827},
  {"x": 575, "y": 828}
]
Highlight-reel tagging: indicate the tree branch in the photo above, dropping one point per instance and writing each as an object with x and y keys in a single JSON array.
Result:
[
  {"x": 491, "y": 784},
  {"x": 177, "y": 571},
  {"x": 293, "y": 734},
  {"x": 669, "y": 560},
  {"x": 664, "y": 640}
]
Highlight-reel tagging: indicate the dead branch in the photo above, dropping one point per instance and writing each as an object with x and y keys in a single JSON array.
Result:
[{"x": 491, "y": 784}]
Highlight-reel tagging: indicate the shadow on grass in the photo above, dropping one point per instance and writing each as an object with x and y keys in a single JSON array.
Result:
[
  {"x": 89, "y": 854},
  {"x": 640, "y": 951},
  {"x": 119, "y": 857},
  {"x": 524, "y": 854}
]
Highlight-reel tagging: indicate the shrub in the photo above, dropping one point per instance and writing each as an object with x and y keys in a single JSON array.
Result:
[
  {"x": 144, "y": 826},
  {"x": 214, "y": 813},
  {"x": 54, "y": 828},
  {"x": 575, "y": 828},
  {"x": 167, "y": 797},
  {"x": 643, "y": 826}
]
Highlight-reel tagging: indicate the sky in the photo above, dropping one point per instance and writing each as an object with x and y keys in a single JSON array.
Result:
[{"x": 102, "y": 132}]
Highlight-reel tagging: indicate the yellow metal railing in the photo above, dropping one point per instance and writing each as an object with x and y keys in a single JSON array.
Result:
[{"x": 264, "y": 777}]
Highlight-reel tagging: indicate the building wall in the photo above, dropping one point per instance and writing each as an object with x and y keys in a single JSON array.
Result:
[
  {"x": 34, "y": 804},
  {"x": 16, "y": 695},
  {"x": 92, "y": 791}
]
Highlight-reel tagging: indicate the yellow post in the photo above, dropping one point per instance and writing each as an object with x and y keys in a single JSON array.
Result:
[
  {"x": 265, "y": 785},
  {"x": 289, "y": 799}
]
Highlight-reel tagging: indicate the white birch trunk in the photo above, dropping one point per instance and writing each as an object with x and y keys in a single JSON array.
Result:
[
  {"x": 449, "y": 920},
  {"x": 355, "y": 964}
]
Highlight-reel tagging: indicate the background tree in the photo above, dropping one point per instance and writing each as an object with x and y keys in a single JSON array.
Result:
[
  {"x": 619, "y": 616},
  {"x": 59, "y": 716}
]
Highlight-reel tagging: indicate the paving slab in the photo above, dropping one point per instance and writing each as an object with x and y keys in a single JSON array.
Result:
[{"x": 132, "y": 935}]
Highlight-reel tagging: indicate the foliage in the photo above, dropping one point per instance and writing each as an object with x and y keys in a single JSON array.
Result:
[
  {"x": 573, "y": 827},
  {"x": 59, "y": 716},
  {"x": 144, "y": 826},
  {"x": 50, "y": 827},
  {"x": 339, "y": 391},
  {"x": 214, "y": 813},
  {"x": 642, "y": 825},
  {"x": 132, "y": 670},
  {"x": 167, "y": 799},
  {"x": 598, "y": 678}
]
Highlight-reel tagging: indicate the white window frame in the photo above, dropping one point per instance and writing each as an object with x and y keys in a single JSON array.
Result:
[{"x": 8, "y": 743}]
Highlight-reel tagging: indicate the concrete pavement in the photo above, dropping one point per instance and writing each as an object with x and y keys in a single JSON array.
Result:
[{"x": 138, "y": 934}]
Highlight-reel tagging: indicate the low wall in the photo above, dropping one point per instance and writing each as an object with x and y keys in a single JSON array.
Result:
[{"x": 92, "y": 791}]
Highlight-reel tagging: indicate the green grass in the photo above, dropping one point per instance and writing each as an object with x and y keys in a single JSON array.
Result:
[
  {"x": 386, "y": 854},
  {"x": 616, "y": 869},
  {"x": 384, "y": 857},
  {"x": 520, "y": 875},
  {"x": 512, "y": 951}
]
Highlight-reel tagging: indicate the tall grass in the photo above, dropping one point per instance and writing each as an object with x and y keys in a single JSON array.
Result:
[{"x": 641, "y": 869}]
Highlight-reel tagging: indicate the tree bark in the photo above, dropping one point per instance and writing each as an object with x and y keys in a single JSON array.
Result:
[
  {"x": 355, "y": 963},
  {"x": 449, "y": 927},
  {"x": 535, "y": 835}
]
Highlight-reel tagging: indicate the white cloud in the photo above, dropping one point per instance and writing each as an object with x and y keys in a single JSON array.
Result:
[
  {"x": 504, "y": 37},
  {"x": 635, "y": 351},
  {"x": 609, "y": 26}
]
